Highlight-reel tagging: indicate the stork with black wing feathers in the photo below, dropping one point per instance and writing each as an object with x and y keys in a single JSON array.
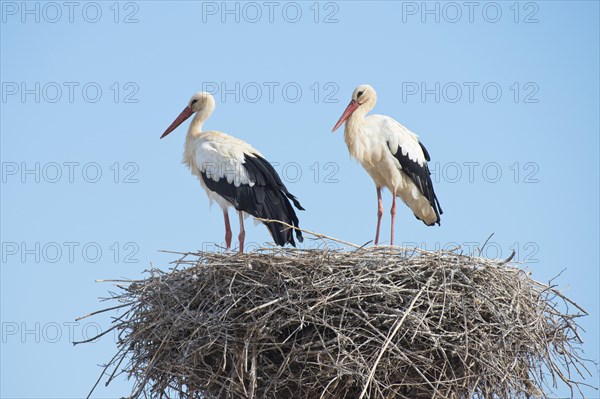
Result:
[
  {"x": 234, "y": 174},
  {"x": 392, "y": 155}
]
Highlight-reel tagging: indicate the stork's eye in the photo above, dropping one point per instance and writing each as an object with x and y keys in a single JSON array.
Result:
[
  {"x": 194, "y": 101},
  {"x": 359, "y": 94}
]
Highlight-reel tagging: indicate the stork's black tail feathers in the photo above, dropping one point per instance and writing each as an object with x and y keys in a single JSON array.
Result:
[
  {"x": 272, "y": 200},
  {"x": 267, "y": 198}
]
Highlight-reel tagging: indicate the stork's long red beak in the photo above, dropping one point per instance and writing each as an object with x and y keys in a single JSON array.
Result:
[
  {"x": 349, "y": 110},
  {"x": 186, "y": 113}
]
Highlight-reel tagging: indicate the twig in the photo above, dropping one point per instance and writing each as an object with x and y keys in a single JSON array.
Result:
[
  {"x": 103, "y": 310},
  {"x": 318, "y": 235},
  {"x": 484, "y": 244},
  {"x": 264, "y": 305},
  {"x": 389, "y": 339}
]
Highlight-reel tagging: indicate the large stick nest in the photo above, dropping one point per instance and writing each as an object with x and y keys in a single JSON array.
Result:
[{"x": 373, "y": 323}]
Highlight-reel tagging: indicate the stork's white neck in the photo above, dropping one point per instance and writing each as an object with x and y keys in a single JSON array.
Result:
[
  {"x": 355, "y": 135},
  {"x": 194, "y": 132},
  {"x": 354, "y": 122},
  {"x": 201, "y": 116},
  {"x": 357, "y": 119}
]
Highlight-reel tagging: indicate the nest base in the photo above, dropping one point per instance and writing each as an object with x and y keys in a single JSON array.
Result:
[{"x": 373, "y": 323}]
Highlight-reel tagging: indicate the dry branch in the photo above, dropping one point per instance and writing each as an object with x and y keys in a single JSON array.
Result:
[{"x": 372, "y": 323}]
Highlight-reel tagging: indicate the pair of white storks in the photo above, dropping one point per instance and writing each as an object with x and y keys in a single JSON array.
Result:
[{"x": 234, "y": 174}]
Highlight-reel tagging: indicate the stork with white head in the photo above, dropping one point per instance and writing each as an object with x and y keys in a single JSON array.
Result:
[
  {"x": 234, "y": 174},
  {"x": 392, "y": 155}
]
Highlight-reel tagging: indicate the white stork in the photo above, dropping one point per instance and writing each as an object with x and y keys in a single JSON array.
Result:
[
  {"x": 235, "y": 175},
  {"x": 392, "y": 155}
]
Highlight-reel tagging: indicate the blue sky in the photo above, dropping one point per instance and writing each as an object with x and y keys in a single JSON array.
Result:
[{"x": 504, "y": 96}]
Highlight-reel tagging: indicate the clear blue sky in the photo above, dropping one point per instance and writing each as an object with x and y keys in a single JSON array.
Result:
[{"x": 504, "y": 96}]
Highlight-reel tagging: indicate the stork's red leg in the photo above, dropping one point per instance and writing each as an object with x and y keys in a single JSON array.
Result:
[
  {"x": 242, "y": 233},
  {"x": 379, "y": 214},
  {"x": 393, "y": 212},
  {"x": 227, "y": 229}
]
